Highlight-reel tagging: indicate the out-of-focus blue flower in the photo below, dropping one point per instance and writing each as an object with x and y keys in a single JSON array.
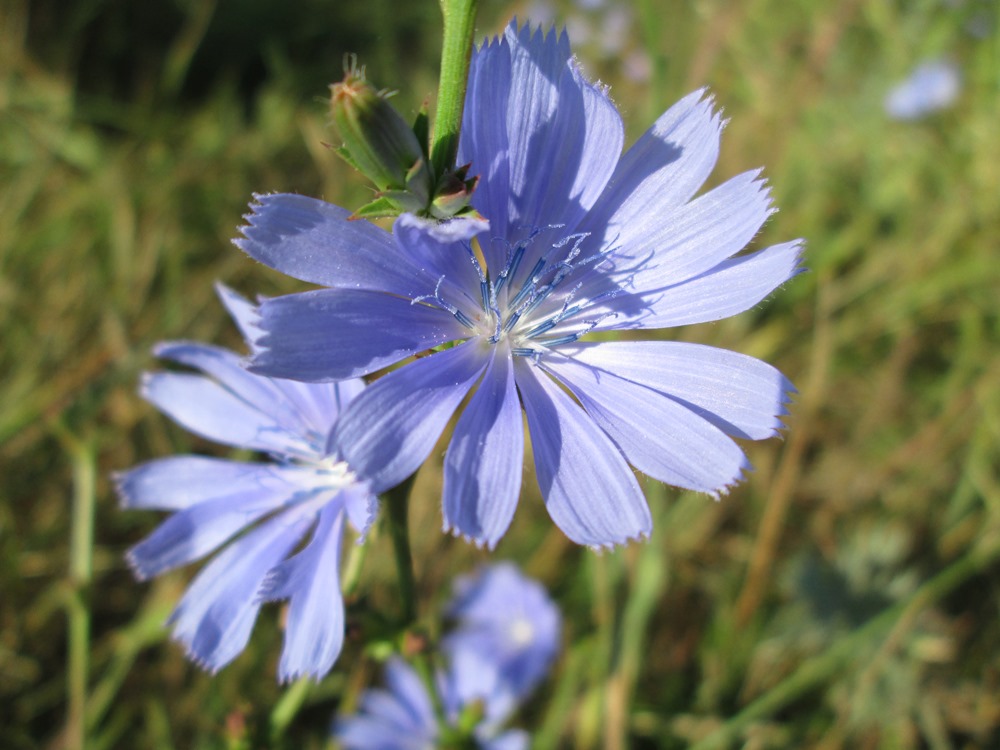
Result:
[
  {"x": 402, "y": 717},
  {"x": 506, "y": 639},
  {"x": 580, "y": 239},
  {"x": 304, "y": 491},
  {"x": 511, "y": 618},
  {"x": 932, "y": 86}
]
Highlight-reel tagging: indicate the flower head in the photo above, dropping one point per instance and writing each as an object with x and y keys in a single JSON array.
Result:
[
  {"x": 932, "y": 86},
  {"x": 264, "y": 510},
  {"x": 580, "y": 239},
  {"x": 506, "y": 638},
  {"x": 501, "y": 613}
]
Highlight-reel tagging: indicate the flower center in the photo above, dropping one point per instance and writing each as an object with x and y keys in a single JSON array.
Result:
[
  {"x": 534, "y": 301},
  {"x": 521, "y": 632},
  {"x": 327, "y": 473}
]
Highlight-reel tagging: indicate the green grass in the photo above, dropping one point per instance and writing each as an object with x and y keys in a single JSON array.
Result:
[{"x": 845, "y": 596}]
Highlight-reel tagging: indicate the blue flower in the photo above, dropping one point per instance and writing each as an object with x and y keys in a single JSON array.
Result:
[
  {"x": 267, "y": 509},
  {"x": 511, "y": 618},
  {"x": 403, "y": 717},
  {"x": 580, "y": 239},
  {"x": 932, "y": 86},
  {"x": 506, "y": 639}
]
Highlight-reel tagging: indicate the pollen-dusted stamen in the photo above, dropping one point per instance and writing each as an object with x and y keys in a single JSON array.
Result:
[
  {"x": 444, "y": 304},
  {"x": 514, "y": 317}
]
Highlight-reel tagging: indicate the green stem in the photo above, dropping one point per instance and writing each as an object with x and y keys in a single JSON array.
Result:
[
  {"x": 456, "y": 52},
  {"x": 397, "y": 506},
  {"x": 814, "y": 672},
  {"x": 80, "y": 574},
  {"x": 397, "y": 513},
  {"x": 288, "y": 706}
]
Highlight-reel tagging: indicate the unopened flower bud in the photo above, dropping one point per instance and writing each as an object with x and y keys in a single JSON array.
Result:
[
  {"x": 453, "y": 193},
  {"x": 378, "y": 141}
]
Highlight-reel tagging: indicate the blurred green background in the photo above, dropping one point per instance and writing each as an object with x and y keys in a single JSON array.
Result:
[{"x": 845, "y": 597}]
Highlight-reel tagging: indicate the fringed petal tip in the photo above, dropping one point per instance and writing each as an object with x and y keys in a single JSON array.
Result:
[
  {"x": 537, "y": 34},
  {"x": 266, "y": 591},
  {"x": 251, "y": 219},
  {"x": 363, "y": 525},
  {"x": 478, "y": 542},
  {"x": 203, "y": 663},
  {"x": 145, "y": 380},
  {"x": 287, "y": 677},
  {"x": 136, "y": 566},
  {"x": 528, "y": 34},
  {"x": 120, "y": 483},
  {"x": 256, "y": 202},
  {"x": 601, "y": 547},
  {"x": 725, "y": 489},
  {"x": 788, "y": 393}
]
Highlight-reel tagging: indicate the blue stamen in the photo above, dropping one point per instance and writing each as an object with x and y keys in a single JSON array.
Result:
[
  {"x": 511, "y": 322},
  {"x": 565, "y": 339},
  {"x": 523, "y": 352},
  {"x": 462, "y": 318},
  {"x": 443, "y": 304},
  {"x": 548, "y": 325},
  {"x": 528, "y": 288},
  {"x": 484, "y": 291}
]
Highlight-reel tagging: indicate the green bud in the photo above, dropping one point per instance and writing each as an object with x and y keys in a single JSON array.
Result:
[
  {"x": 378, "y": 142},
  {"x": 453, "y": 193}
]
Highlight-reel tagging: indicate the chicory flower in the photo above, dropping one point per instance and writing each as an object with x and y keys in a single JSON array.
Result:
[
  {"x": 506, "y": 637},
  {"x": 581, "y": 239},
  {"x": 263, "y": 510},
  {"x": 933, "y": 85}
]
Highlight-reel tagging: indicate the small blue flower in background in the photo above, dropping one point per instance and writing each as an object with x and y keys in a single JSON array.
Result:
[
  {"x": 579, "y": 239},
  {"x": 506, "y": 639},
  {"x": 500, "y": 612},
  {"x": 932, "y": 86},
  {"x": 274, "y": 505}
]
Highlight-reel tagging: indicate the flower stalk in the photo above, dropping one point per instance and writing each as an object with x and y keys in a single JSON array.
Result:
[
  {"x": 456, "y": 53},
  {"x": 397, "y": 508}
]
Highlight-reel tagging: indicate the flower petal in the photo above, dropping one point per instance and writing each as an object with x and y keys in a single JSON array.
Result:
[
  {"x": 731, "y": 287},
  {"x": 740, "y": 395},
  {"x": 658, "y": 436},
  {"x": 332, "y": 334},
  {"x": 399, "y": 718},
  {"x": 361, "y": 507},
  {"x": 538, "y": 62},
  {"x": 314, "y": 405},
  {"x": 474, "y": 676},
  {"x": 589, "y": 490},
  {"x": 215, "y": 617},
  {"x": 589, "y": 135},
  {"x": 205, "y": 407},
  {"x": 314, "y": 632},
  {"x": 258, "y": 393},
  {"x": 242, "y": 310},
  {"x": 663, "y": 169},
  {"x": 442, "y": 249},
  {"x": 482, "y": 469},
  {"x": 674, "y": 246},
  {"x": 194, "y": 532},
  {"x": 179, "y": 482},
  {"x": 315, "y": 241},
  {"x": 558, "y": 125},
  {"x": 483, "y": 142},
  {"x": 512, "y": 739},
  {"x": 388, "y": 431}
]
